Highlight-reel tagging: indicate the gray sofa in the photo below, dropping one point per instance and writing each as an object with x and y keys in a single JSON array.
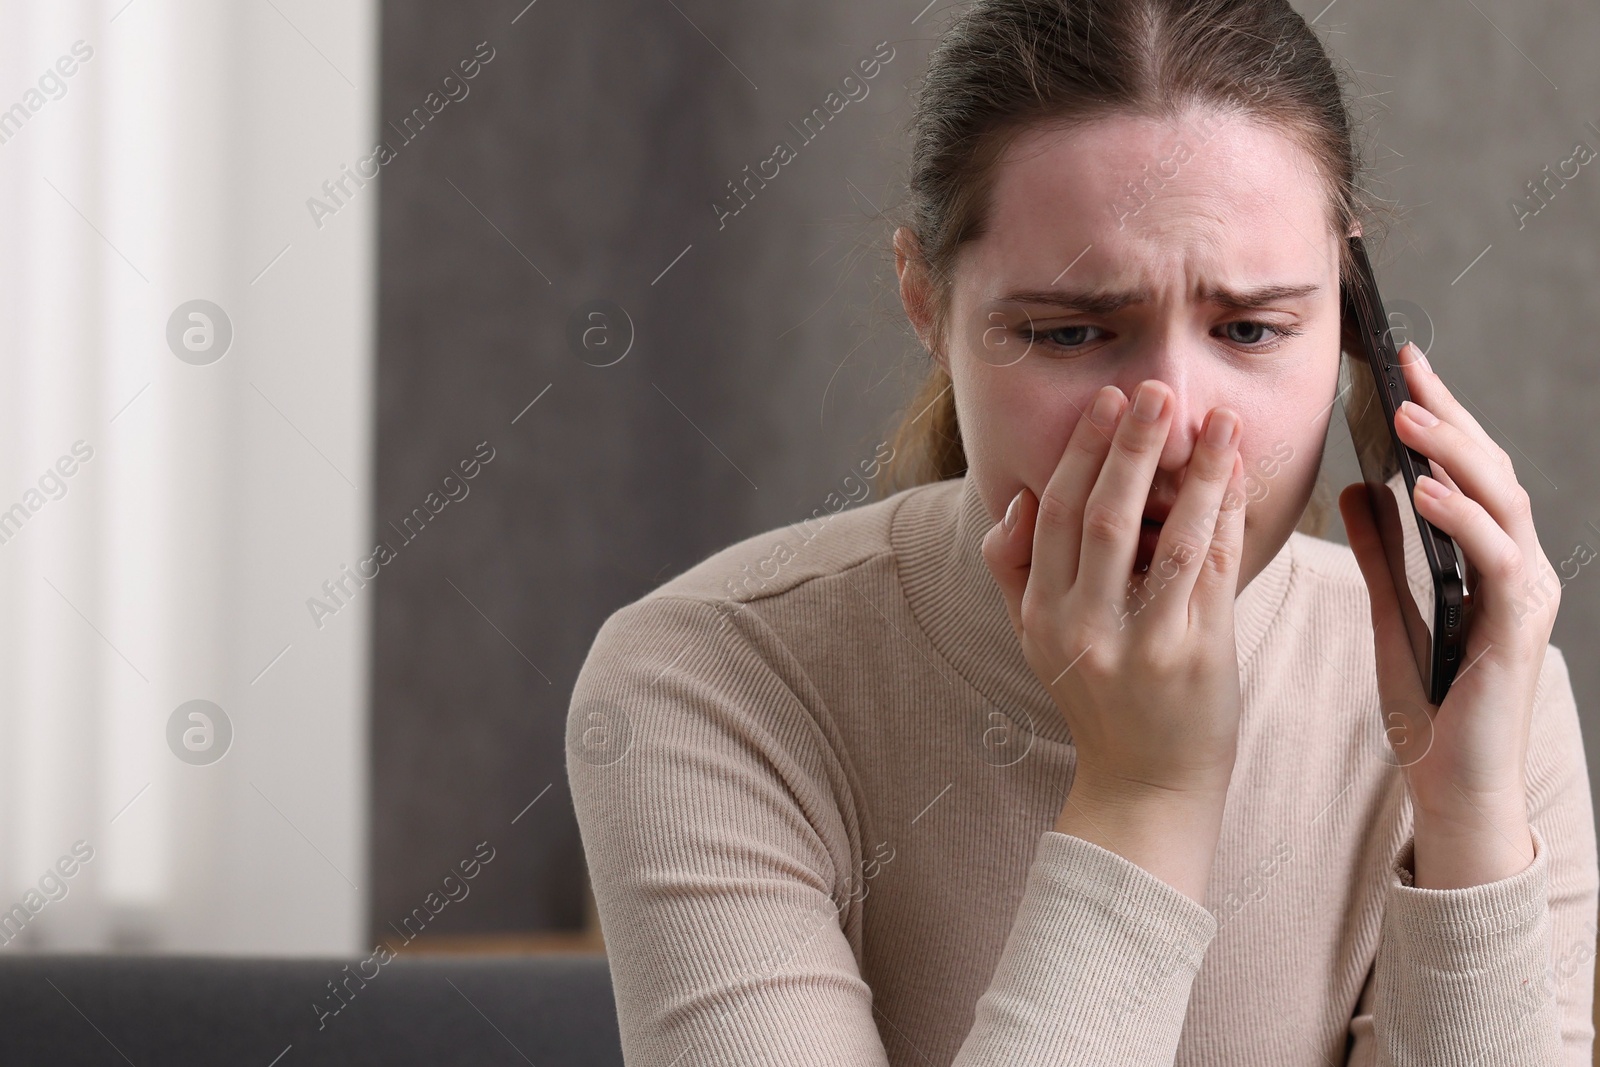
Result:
[{"x": 484, "y": 1010}]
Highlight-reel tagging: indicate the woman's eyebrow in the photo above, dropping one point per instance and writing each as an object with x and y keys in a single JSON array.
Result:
[{"x": 1104, "y": 301}]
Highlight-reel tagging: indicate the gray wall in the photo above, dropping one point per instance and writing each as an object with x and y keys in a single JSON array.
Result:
[
  {"x": 596, "y": 142},
  {"x": 772, "y": 354}
]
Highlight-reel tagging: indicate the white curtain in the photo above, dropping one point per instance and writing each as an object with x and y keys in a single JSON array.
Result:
[{"x": 164, "y": 513}]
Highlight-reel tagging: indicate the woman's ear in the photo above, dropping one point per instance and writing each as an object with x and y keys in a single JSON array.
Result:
[{"x": 915, "y": 290}]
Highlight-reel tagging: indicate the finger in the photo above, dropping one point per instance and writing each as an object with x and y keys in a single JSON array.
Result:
[
  {"x": 1058, "y": 524},
  {"x": 1480, "y": 476},
  {"x": 1440, "y": 473},
  {"x": 1494, "y": 553},
  {"x": 1217, "y": 584},
  {"x": 1398, "y": 677},
  {"x": 1115, "y": 507},
  {"x": 1187, "y": 536},
  {"x": 1436, "y": 471},
  {"x": 1008, "y": 549},
  {"x": 1471, "y": 579},
  {"x": 1428, "y": 389}
]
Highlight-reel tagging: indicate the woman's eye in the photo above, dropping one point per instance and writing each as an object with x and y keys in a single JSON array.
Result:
[
  {"x": 1060, "y": 336},
  {"x": 1253, "y": 329}
]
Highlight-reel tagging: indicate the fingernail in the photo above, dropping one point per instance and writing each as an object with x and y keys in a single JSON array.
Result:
[
  {"x": 1219, "y": 429},
  {"x": 1010, "y": 519},
  {"x": 1416, "y": 353},
  {"x": 1419, "y": 413},
  {"x": 1430, "y": 486},
  {"x": 1104, "y": 411},
  {"x": 1147, "y": 402}
]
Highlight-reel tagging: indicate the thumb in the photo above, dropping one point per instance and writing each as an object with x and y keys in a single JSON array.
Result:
[{"x": 1008, "y": 551}]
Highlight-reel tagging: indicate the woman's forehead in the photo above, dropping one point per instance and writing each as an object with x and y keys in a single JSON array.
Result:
[{"x": 1205, "y": 194}]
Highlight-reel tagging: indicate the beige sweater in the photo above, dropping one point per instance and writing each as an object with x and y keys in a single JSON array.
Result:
[{"x": 816, "y": 780}]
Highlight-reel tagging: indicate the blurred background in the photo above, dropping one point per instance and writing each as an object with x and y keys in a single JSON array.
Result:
[{"x": 357, "y": 361}]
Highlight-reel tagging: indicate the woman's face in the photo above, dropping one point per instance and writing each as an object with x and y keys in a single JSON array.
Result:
[{"x": 1160, "y": 225}]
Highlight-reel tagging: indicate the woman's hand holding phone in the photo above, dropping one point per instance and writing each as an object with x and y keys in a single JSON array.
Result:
[
  {"x": 1464, "y": 760},
  {"x": 1148, "y": 679}
]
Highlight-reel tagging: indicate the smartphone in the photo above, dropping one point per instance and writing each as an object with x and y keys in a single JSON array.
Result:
[{"x": 1426, "y": 565}]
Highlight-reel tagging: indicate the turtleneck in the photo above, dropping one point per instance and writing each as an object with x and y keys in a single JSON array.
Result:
[{"x": 937, "y": 537}]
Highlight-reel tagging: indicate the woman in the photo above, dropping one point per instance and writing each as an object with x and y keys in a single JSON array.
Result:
[{"x": 1073, "y": 751}]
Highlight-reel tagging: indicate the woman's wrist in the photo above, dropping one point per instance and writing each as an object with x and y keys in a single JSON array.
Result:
[
  {"x": 1475, "y": 845},
  {"x": 1173, "y": 835}
]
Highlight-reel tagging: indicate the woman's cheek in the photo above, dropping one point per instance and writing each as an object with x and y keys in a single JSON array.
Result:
[
  {"x": 1038, "y": 435},
  {"x": 1017, "y": 420},
  {"x": 1278, "y": 472}
]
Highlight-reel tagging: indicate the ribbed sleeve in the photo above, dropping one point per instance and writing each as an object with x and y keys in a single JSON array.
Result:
[
  {"x": 1457, "y": 971},
  {"x": 1097, "y": 967},
  {"x": 710, "y": 817},
  {"x": 1500, "y": 973}
]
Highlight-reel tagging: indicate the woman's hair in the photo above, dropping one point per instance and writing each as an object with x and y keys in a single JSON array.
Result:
[{"x": 1005, "y": 65}]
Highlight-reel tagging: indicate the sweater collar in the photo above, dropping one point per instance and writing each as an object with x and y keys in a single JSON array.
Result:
[{"x": 937, "y": 536}]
